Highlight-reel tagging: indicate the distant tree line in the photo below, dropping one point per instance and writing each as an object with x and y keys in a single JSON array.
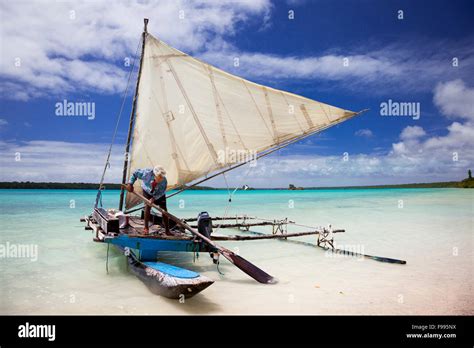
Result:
[
  {"x": 55, "y": 185},
  {"x": 466, "y": 183},
  {"x": 71, "y": 186}
]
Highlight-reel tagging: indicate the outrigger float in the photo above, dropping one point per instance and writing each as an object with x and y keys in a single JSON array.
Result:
[{"x": 189, "y": 116}]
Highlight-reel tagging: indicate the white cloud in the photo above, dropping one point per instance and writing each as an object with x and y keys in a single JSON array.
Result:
[
  {"x": 60, "y": 51},
  {"x": 62, "y": 47},
  {"x": 364, "y": 133},
  {"x": 416, "y": 158},
  {"x": 329, "y": 67},
  {"x": 3, "y": 122},
  {"x": 410, "y": 160},
  {"x": 58, "y": 161},
  {"x": 401, "y": 67},
  {"x": 455, "y": 99},
  {"x": 412, "y": 132}
]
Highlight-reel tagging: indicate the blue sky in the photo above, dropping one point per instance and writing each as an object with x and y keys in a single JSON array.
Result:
[{"x": 76, "y": 51}]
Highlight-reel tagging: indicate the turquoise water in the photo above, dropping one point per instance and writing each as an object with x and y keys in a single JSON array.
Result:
[{"x": 430, "y": 228}]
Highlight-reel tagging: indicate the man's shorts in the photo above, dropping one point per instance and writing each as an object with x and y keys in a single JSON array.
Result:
[{"x": 161, "y": 202}]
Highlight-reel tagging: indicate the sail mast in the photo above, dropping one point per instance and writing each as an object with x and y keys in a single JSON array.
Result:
[{"x": 132, "y": 115}]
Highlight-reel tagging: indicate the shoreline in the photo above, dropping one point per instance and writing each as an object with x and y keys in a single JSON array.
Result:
[{"x": 109, "y": 186}]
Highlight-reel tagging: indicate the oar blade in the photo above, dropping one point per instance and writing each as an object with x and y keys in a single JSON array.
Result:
[{"x": 250, "y": 269}]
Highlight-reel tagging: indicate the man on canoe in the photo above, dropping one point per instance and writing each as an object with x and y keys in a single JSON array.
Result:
[{"x": 154, "y": 187}]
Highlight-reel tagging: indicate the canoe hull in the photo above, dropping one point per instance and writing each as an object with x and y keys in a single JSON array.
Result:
[{"x": 166, "y": 280}]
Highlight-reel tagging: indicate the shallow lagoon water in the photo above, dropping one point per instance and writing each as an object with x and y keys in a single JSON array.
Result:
[{"x": 432, "y": 229}]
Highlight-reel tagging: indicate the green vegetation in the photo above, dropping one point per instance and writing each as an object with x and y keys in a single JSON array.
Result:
[
  {"x": 446, "y": 184},
  {"x": 293, "y": 187},
  {"x": 70, "y": 186},
  {"x": 55, "y": 185},
  {"x": 466, "y": 183}
]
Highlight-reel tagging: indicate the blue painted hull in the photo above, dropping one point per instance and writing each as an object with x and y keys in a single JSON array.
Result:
[
  {"x": 138, "y": 243},
  {"x": 167, "y": 280},
  {"x": 161, "y": 278}
]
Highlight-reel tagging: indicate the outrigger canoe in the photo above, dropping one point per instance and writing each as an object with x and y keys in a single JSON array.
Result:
[
  {"x": 180, "y": 101},
  {"x": 142, "y": 253}
]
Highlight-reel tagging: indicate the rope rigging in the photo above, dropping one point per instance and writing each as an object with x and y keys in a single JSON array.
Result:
[{"x": 107, "y": 161}]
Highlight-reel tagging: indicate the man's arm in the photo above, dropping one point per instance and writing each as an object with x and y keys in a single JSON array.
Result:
[{"x": 137, "y": 174}]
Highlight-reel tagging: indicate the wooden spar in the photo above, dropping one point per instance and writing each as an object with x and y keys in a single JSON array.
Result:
[
  {"x": 132, "y": 115},
  {"x": 232, "y": 237},
  {"x": 269, "y": 236},
  {"x": 339, "y": 251},
  {"x": 244, "y": 265},
  {"x": 219, "y": 218},
  {"x": 245, "y": 225}
]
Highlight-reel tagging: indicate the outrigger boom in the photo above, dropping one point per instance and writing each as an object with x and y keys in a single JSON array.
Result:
[{"x": 168, "y": 280}]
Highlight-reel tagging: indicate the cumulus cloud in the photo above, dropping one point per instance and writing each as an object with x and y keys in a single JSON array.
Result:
[
  {"x": 66, "y": 47},
  {"x": 455, "y": 99},
  {"x": 61, "y": 46},
  {"x": 404, "y": 67},
  {"x": 441, "y": 158},
  {"x": 331, "y": 67},
  {"x": 57, "y": 161},
  {"x": 412, "y": 132},
  {"x": 364, "y": 133},
  {"x": 413, "y": 159}
]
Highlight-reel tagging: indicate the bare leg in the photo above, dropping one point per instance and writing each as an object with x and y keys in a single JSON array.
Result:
[
  {"x": 166, "y": 221},
  {"x": 147, "y": 218},
  {"x": 162, "y": 205}
]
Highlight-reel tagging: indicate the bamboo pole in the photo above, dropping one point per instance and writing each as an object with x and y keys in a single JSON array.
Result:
[
  {"x": 132, "y": 116},
  {"x": 269, "y": 236}
]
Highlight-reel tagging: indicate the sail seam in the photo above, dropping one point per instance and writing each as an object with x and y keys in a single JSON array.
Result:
[
  {"x": 177, "y": 149},
  {"x": 193, "y": 112},
  {"x": 216, "y": 101},
  {"x": 174, "y": 144},
  {"x": 306, "y": 116},
  {"x": 258, "y": 109},
  {"x": 232, "y": 122},
  {"x": 276, "y": 148},
  {"x": 294, "y": 113},
  {"x": 270, "y": 114},
  {"x": 325, "y": 113}
]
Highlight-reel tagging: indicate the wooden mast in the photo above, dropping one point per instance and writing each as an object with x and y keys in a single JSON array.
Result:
[{"x": 132, "y": 116}]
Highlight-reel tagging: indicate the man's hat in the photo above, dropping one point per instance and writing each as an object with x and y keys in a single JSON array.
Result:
[{"x": 159, "y": 170}]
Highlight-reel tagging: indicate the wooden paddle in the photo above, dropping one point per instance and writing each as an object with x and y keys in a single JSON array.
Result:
[{"x": 244, "y": 265}]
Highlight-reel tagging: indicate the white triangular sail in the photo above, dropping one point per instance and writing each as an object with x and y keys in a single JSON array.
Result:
[{"x": 195, "y": 119}]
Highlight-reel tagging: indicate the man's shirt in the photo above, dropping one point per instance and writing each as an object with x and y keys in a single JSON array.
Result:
[{"x": 147, "y": 177}]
